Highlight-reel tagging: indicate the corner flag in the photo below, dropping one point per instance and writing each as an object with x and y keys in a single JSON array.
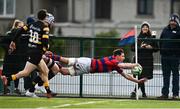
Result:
[{"x": 128, "y": 38}]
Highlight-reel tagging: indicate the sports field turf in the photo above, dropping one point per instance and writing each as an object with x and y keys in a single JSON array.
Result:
[{"x": 44, "y": 103}]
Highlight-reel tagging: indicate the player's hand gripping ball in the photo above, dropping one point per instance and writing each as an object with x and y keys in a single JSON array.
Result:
[{"x": 137, "y": 70}]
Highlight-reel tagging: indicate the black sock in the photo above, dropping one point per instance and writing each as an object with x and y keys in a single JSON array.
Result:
[
  {"x": 50, "y": 75},
  {"x": 9, "y": 78},
  {"x": 32, "y": 87},
  {"x": 36, "y": 80},
  {"x": 40, "y": 83},
  {"x": 16, "y": 83},
  {"x": 47, "y": 89}
]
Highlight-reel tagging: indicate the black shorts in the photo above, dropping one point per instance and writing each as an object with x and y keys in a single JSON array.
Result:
[{"x": 34, "y": 56}]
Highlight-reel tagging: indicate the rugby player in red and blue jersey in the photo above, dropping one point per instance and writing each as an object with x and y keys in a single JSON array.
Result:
[{"x": 84, "y": 65}]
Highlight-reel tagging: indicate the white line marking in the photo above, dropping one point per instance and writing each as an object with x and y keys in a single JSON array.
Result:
[
  {"x": 64, "y": 105},
  {"x": 77, "y": 104},
  {"x": 41, "y": 108},
  {"x": 84, "y": 103},
  {"x": 90, "y": 102}
]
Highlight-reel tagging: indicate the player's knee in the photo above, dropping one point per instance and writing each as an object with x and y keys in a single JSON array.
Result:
[
  {"x": 64, "y": 71},
  {"x": 71, "y": 61},
  {"x": 55, "y": 69},
  {"x": 71, "y": 71}
]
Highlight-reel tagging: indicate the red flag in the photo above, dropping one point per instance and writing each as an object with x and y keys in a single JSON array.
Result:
[{"x": 128, "y": 38}]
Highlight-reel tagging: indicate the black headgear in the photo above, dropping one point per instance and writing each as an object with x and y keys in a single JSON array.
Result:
[
  {"x": 42, "y": 14},
  {"x": 175, "y": 18}
]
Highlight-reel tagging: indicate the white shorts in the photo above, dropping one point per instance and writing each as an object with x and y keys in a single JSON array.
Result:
[{"x": 82, "y": 65}]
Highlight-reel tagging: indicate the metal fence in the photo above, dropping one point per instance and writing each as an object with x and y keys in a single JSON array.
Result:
[{"x": 109, "y": 84}]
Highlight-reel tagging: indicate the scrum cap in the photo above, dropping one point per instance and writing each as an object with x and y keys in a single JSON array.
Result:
[{"x": 49, "y": 18}]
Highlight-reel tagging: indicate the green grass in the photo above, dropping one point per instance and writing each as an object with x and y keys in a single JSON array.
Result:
[{"x": 44, "y": 103}]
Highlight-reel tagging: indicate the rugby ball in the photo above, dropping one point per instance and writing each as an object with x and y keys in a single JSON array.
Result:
[{"x": 137, "y": 70}]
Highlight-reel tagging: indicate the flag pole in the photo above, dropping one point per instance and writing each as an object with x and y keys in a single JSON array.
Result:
[{"x": 136, "y": 60}]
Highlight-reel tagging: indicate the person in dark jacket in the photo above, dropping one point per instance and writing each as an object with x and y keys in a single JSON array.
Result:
[
  {"x": 146, "y": 48},
  {"x": 11, "y": 61},
  {"x": 170, "y": 57}
]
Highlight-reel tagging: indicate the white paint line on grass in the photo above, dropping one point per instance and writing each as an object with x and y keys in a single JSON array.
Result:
[
  {"x": 90, "y": 102},
  {"x": 41, "y": 108},
  {"x": 85, "y": 103},
  {"x": 64, "y": 105},
  {"x": 77, "y": 104}
]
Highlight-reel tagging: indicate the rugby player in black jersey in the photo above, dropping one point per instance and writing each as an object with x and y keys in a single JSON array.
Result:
[{"x": 37, "y": 45}]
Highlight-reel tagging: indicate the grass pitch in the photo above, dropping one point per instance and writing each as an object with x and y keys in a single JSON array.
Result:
[{"x": 44, "y": 103}]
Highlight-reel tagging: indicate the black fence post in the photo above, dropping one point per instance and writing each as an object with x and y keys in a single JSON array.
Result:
[{"x": 81, "y": 76}]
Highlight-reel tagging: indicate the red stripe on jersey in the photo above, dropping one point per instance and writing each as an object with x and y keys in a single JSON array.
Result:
[
  {"x": 105, "y": 64},
  {"x": 115, "y": 63},
  {"x": 106, "y": 59},
  {"x": 108, "y": 63},
  {"x": 100, "y": 66},
  {"x": 93, "y": 65}
]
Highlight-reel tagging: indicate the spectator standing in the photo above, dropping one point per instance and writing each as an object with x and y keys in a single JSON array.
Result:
[
  {"x": 11, "y": 61},
  {"x": 146, "y": 48},
  {"x": 170, "y": 57}
]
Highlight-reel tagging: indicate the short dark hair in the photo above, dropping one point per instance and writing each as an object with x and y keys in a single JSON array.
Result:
[
  {"x": 42, "y": 14},
  {"x": 30, "y": 20},
  {"x": 118, "y": 52}
]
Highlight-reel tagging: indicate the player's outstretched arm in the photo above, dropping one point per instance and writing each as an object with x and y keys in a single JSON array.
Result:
[
  {"x": 131, "y": 78},
  {"x": 127, "y": 65}
]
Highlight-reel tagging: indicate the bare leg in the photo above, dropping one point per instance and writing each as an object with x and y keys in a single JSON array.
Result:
[
  {"x": 55, "y": 68},
  {"x": 64, "y": 60},
  {"x": 44, "y": 71},
  {"x": 64, "y": 71},
  {"x": 26, "y": 71},
  {"x": 44, "y": 76}
]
